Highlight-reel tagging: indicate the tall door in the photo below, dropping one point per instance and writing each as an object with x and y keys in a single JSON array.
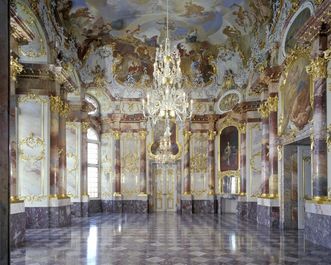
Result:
[
  {"x": 304, "y": 182},
  {"x": 165, "y": 187}
]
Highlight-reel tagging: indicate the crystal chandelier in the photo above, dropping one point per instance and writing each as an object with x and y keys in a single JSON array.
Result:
[
  {"x": 167, "y": 98},
  {"x": 164, "y": 154}
]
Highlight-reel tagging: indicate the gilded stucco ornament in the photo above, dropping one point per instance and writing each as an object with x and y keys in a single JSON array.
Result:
[
  {"x": 312, "y": 143},
  {"x": 280, "y": 151},
  {"x": 32, "y": 97},
  {"x": 242, "y": 128},
  {"x": 142, "y": 135},
  {"x": 117, "y": 134},
  {"x": 317, "y": 68},
  {"x": 198, "y": 163},
  {"x": 32, "y": 142},
  {"x": 15, "y": 67},
  {"x": 211, "y": 135},
  {"x": 85, "y": 126}
]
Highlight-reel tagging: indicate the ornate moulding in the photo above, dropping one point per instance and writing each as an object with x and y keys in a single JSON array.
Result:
[{"x": 228, "y": 101}]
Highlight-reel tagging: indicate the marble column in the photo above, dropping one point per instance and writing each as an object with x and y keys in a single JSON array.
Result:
[
  {"x": 4, "y": 132},
  {"x": 55, "y": 177},
  {"x": 211, "y": 161},
  {"x": 273, "y": 152},
  {"x": 242, "y": 130},
  {"x": 318, "y": 70},
  {"x": 84, "y": 202},
  {"x": 186, "y": 162},
  {"x": 117, "y": 204},
  {"x": 143, "y": 176},
  {"x": 265, "y": 148},
  {"x": 186, "y": 198},
  {"x": 62, "y": 184}
]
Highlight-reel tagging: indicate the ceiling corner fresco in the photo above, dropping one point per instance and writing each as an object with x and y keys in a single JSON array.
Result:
[{"x": 116, "y": 41}]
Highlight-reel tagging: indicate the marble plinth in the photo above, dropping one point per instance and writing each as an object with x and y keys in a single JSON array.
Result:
[
  {"x": 242, "y": 210},
  {"x": 17, "y": 224},
  {"x": 84, "y": 209},
  {"x": 268, "y": 216},
  {"x": 204, "y": 206},
  {"x": 318, "y": 229},
  {"x": 94, "y": 206},
  {"x": 37, "y": 217},
  {"x": 252, "y": 211}
]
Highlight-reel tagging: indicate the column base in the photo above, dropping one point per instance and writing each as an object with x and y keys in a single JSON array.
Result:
[
  {"x": 318, "y": 223},
  {"x": 268, "y": 212},
  {"x": 186, "y": 204},
  {"x": 59, "y": 213},
  {"x": 17, "y": 224}
]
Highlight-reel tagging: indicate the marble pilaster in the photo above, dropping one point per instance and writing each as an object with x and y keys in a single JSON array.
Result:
[
  {"x": 243, "y": 160},
  {"x": 211, "y": 161},
  {"x": 143, "y": 176},
  {"x": 273, "y": 152},
  {"x": 264, "y": 155},
  {"x": 117, "y": 136},
  {"x": 186, "y": 163}
]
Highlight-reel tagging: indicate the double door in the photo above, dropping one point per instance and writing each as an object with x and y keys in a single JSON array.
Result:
[{"x": 165, "y": 187}]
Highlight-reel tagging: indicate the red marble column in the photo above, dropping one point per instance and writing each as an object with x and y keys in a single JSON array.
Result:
[
  {"x": 265, "y": 149},
  {"x": 54, "y": 151},
  {"x": 117, "y": 136},
  {"x": 186, "y": 162},
  {"x": 62, "y": 184},
  {"x": 273, "y": 153},
  {"x": 318, "y": 71},
  {"x": 211, "y": 161},
  {"x": 143, "y": 175},
  {"x": 242, "y": 130}
]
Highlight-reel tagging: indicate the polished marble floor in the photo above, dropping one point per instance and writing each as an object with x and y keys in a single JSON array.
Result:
[{"x": 166, "y": 239}]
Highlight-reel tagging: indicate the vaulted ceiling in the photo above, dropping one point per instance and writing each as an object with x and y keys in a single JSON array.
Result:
[{"x": 117, "y": 40}]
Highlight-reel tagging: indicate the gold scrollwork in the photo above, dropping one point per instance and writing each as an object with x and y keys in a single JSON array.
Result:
[
  {"x": 187, "y": 134},
  {"x": 32, "y": 142},
  {"x": 211, "y": 134},
  {"x": 317, "y": 68},
  {"x": 117, "y": 135},
  {"x": 130, "y": 164},
  {"x": 242, "y": 128},
  {"x": 142, "y": 135},
  {"x": 32, "y": 97},
  {"x": 59, "y": 106},
  {"x": 198, "y": 163},
  {"x": 85, "y": 126},
  {"x": 280, "y": 125},
  {"x": 273, "y": 104},
  {"x": 15, "y": 67},
  {"x": 74, "y": 157}
]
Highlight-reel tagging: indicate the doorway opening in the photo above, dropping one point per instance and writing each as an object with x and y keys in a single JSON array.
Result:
[{"x": 297, "y": 182}]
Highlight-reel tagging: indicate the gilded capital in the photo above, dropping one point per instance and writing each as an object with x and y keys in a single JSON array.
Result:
[
  {"x": 242, "y": 127},
  {"x": 142, "y": 135},
  {"x": 15, "y": 67},
  {"x": 59, "y": 106},
  {"x": 264, "y": 110},
  {"x": 211, "y": 134},
  {"x": 117, "y": 135},
  {"x": 273, "y": 104},
  {"x": 85, "y": 126},
  {"x": 317, "y": 68}
]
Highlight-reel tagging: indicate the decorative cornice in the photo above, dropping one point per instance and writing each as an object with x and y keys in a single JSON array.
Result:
[{"x": 18, "y": 29}]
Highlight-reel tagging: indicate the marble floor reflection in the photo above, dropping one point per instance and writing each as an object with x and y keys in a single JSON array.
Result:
[{"x": 166, "y": 239}]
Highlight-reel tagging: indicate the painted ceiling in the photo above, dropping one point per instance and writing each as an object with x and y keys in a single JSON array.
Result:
[{"x": 117, "y": 39}]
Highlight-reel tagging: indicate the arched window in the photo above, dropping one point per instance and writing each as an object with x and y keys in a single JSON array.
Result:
[{"x": 93, "y": 182}]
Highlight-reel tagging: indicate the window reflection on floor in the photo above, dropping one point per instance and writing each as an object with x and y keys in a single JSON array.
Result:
[{"x": 92, "y": 242}]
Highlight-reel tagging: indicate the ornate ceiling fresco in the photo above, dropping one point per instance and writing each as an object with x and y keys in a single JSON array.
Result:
[{"x": 217, "y": 39}]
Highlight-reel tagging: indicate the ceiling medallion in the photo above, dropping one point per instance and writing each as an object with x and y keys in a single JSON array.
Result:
[{"x": 167, "y": 99}]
